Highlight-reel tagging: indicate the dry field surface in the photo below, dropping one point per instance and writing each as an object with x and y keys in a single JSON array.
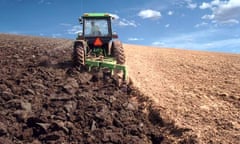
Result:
[
  {"x": 177, "y": 96},
  {"x": 198, "y": 90}
]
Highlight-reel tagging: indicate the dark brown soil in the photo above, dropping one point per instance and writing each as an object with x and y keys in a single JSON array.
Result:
[{"x": 44, "y": 100}]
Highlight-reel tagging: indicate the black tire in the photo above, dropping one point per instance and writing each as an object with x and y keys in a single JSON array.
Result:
[
  {"x": 118, "y": 52},
  {"x": 78, "y": 56}
]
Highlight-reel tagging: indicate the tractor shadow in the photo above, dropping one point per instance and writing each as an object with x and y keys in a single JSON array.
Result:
[{"x": 63, "y": 65}]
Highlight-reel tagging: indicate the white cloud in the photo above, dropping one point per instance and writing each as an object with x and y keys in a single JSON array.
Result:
[
  {"x": 227, "y": 22},
  {"x": 231, "y": 21},
  {"x": 125, "y": 22},
  {"x": 158, "y": 43},
  {"x": 205, "y": 5},
  {"x": 135, "y": 39},
  {"x": 167, "y": 25},
  {"x": 122, "y": 21},
  {"x": 170, "y": 13},
  {"x": 201, "y": 25},
  {"x": 44, "y": 2},
  {"x": 200, "y": 40},
  {"x": 75, "y": 29},
  {"x": 230, "y": 10},
  {"x": 215, "y": 2},
  {"x": 41, "y": 1},
  {"x": 72, "y": 29},
  {"x": 190, "y": 4},
  {"x": 65, "y": 24},
  {"x": 14, "y": 32},
  {"x": 230, "y": 43},
  {"x": 56, "y": 35},
  {"x": 223, "y": 11},
  {"x": 149, "y": 14},
  {"x": 116, "y": 17},
  {"x": 185, "y": 3},
  {"x": 208, "y": 17}
]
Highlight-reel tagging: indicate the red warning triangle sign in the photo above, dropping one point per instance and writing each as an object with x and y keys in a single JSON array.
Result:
[{"x": 98, "y": 42}]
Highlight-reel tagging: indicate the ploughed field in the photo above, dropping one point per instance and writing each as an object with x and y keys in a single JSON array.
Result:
[{"x": 44, "y": 100}]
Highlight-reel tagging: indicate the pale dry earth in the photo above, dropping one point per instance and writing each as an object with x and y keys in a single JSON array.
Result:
[{"x": 198, "y": 90}]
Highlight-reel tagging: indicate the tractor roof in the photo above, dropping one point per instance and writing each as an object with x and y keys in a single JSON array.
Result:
[{"x": 94, "y": 15}]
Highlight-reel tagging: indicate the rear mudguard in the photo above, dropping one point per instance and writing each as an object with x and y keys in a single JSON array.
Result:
[{"x": 81, "y": 42}]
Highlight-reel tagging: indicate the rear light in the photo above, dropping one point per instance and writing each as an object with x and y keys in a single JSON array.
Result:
[{"x": 97, "y": 42}]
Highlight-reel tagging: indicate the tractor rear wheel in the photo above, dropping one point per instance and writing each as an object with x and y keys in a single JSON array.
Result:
[
  {"x": 78, "y": 55},
  {"x": 118, "y": 52}
]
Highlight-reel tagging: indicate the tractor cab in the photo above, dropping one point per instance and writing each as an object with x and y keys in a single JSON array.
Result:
[
  {"x": 93, "y": 26},
  {"x": 96, "y": 29}
]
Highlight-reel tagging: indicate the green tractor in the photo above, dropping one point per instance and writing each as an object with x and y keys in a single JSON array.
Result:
[{"x": 98, "y": 46}]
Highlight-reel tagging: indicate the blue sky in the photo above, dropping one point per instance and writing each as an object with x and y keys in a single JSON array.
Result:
[{"x": 211, "y": 25}]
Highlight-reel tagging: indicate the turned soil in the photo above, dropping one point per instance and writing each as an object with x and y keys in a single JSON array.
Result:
[{"x": 44, "y": 100}]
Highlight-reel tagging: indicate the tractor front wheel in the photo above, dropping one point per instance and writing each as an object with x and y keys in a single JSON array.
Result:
[{"x": 78, "y": 56}]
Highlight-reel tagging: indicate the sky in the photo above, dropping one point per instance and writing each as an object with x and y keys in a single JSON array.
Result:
[{"x": 208, "y": 25}]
